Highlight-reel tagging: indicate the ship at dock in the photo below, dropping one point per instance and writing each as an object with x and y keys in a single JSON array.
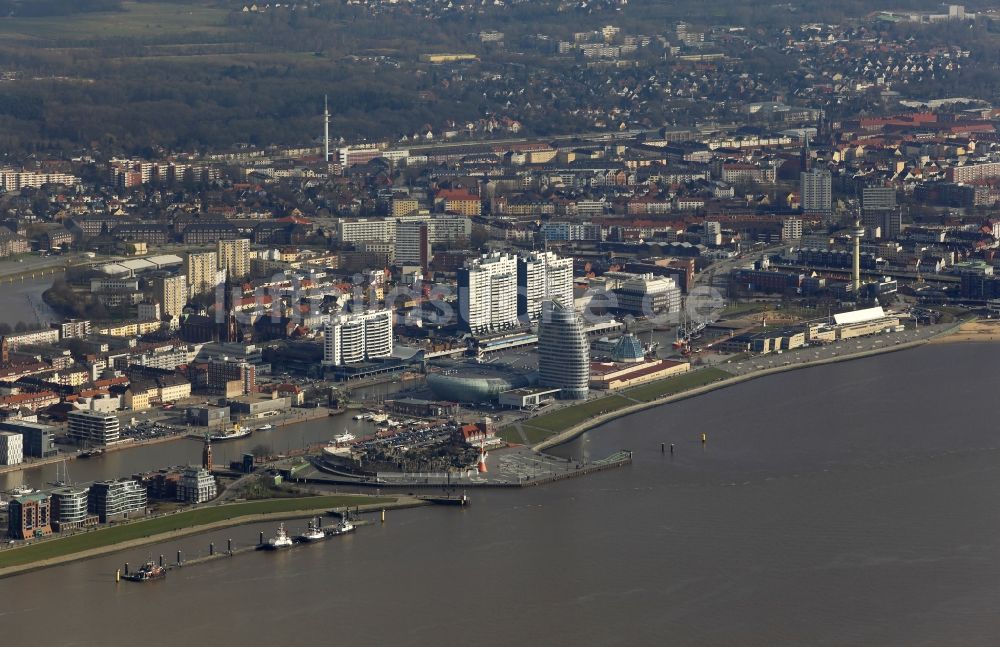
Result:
[
  {"x": 343, "y": 527},
  {"x": 238, "y": 431},
  {"x": 280, "y": 540},
  {"x": 314, "y": 532},
  {"x": 149, "y": 571}
]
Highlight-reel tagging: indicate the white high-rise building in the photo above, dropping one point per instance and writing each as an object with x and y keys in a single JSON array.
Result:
[
  {"x": 879, "y": 212},
  {"x": 353, "y": 338},
  {"x": 487, "y": 293},
  {"x": 196, "y": 485},
  {"x": 11, "y": 448},
  {"x": 413, "y": 244},
  {"x": 791, "y": 229},
  {"x": 563, "y": 351},
  {"x": 93, "y": 427},
  {"x": 234, "y": 257},
  {"x": 542, "y": 276},
  {"x": 713, "y": 233},
  {"x": 202, "y": 269},
  {"x": 356, "y": 230},
  {"x": 171, "y": 292},
  {"x": 816, "y": 191}
]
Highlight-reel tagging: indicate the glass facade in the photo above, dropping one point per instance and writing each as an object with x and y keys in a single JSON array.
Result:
[{"x": 563, "y": 351}]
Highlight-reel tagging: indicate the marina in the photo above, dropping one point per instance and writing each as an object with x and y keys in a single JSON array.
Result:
[{"x": 280, "y": 541}]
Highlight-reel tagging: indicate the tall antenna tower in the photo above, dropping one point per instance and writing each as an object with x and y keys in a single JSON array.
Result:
[
  {"x": 857, "y": 233},
  {"x": 326, "y": 129}
]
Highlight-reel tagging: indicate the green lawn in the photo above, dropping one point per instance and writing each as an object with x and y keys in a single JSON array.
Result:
[
  {"x": 510, "y": 434},
  {"x": 535, "y": 435},
  {"x": 549, "y": 424},
  {"x": 670, "y": 386},
  {"x": 117, "y": 534},
  {"x": 577, "y": 413}
]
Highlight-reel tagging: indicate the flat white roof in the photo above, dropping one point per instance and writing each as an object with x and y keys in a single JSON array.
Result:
[
  {"x": 165, "y": 259},
  {"x": 137, "y": 264},
  {"x": 858, "y": 316},
  {"x": 114, "y": 269}
]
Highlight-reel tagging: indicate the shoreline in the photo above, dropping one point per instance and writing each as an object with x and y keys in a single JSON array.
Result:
[
  {"x": 975, "y": 331},
  {"x": 126, "y": 445},
  {"x": 583, "y": 427},
  {"x": 401, "y": 502}
]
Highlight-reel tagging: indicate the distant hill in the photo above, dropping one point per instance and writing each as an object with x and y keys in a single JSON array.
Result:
[{"x": 45, "y": 8}]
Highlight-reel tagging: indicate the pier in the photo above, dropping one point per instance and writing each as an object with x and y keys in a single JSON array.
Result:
[
  {"x": 512, "y": 468},
  {"x": 231, "y": 550}
]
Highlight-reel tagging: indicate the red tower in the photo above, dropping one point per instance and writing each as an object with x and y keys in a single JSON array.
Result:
[{"x": 206, "y": 454}]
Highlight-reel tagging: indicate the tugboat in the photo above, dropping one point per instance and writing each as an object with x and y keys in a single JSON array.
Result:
[
  {"x": 313, "y": 533},
  {"x": 345, "y": 526},
  {"x": 149, "y": 571},
  {"x": 280, "y": 540}
]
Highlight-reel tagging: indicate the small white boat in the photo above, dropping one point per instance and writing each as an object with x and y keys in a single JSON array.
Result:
[
  {"x": 345, "y": 437},
  {"x": 345, "y": 526},
  {"x": 314, "y": 532},
  {"x": 265, "y": 427},
  {"x": 280, "y": 540},
  {"x": 358, "y": 417}
]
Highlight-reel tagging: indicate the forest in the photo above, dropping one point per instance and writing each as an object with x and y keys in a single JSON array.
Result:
[{"x": 120, "y": 76}]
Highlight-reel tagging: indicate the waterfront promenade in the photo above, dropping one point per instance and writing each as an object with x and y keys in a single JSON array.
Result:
[
  {"x": 55, "y": 550},
  {"x": 755, "y": 367}
]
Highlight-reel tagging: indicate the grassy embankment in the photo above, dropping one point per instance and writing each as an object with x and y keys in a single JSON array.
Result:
[
  {"x": 549, "y": 424},
  {"x": 118, "y": 534}
]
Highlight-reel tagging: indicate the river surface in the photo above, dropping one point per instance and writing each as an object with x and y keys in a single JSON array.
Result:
[
  {"x": 21, "y": 301},
  {"x": 186, "y": 451},
  {"x": 850, "y": 504}
]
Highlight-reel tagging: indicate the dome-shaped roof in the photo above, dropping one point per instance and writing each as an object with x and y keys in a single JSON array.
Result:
[{"x": 628, "y": 349}]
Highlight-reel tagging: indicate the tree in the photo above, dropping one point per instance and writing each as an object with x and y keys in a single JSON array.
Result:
[
  {"x": 78, "y": 347},
  {"x": 479, "y": 237}
]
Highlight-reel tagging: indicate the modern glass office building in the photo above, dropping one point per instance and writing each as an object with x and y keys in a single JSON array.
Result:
[{"x": 563, "y": 351}]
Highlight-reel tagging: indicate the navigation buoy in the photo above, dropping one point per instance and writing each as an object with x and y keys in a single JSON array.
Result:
[
  {"x": 383, "y": 515},
  {"x": 704, "y": 438},
  {"x": 118, "y": 575}
]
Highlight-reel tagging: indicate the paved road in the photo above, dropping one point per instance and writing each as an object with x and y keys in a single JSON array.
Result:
[
  {"x": 829, "y": 351},
  {"x": 24, "y": 264},
  {"x": 723, "y": 268}
]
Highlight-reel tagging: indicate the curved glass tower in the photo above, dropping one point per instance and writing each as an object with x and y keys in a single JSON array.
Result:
[{"x": 563, "y": 352}]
